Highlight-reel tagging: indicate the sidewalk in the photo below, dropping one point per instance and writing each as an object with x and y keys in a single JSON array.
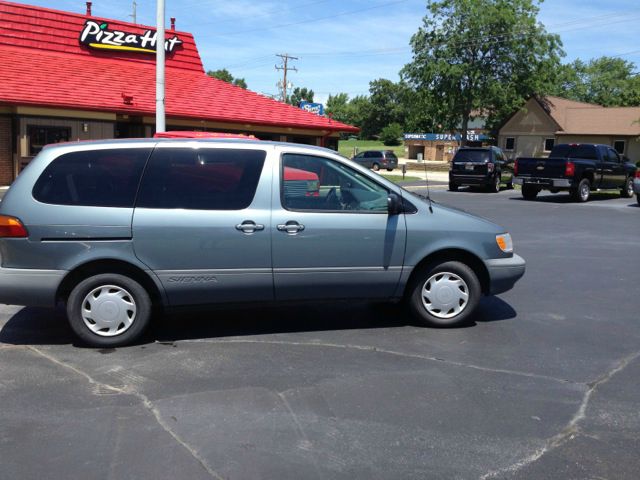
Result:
[
  {"x": 426, "y": 172},
  {"x": 421, "y": 174}
]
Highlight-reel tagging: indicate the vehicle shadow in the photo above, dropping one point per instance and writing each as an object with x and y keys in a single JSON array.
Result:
[
  {"x": 39, "y": 326},
  {"x": 564, "y": 197}
]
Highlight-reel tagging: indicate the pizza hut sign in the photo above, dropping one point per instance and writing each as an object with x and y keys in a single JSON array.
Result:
[{"x": 97, "y": 35}]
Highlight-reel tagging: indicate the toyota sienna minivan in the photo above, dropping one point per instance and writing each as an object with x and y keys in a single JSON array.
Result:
[{"x": 112, "y": 229}]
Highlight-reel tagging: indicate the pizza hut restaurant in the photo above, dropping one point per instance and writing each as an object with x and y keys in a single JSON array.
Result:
[{"x": 67, "y": 77}]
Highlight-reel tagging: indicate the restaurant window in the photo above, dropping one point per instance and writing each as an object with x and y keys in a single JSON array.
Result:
[
  {"x": 510, "y": 143},
  {"x": 548, "y": 144},
  {"x": 618, "y": 146},
  {"x": 39, "y": 136}
]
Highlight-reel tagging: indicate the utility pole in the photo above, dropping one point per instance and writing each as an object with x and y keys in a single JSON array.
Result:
[
  {"x": 285, "y": 68},
  {"x": 134, "y": 14},
  {"x": 160, "y": 112}
]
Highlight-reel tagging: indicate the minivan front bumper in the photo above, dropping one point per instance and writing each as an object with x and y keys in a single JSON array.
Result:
[
  {"x": 504, "y": 273},
  {"x": 29, "y": 286}
]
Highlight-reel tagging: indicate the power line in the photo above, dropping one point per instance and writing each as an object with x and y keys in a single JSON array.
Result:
[
  {"x": 317, "y": 19},
  {"x": 492, "y": 39},
  {"x": 285, "y": 68},
  {"x": 277, "y": 11}
]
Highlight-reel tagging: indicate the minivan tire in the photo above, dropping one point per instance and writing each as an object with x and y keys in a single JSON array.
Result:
[
  {"x": 459, "y": 287},
  {"x": 375, "y": 167},
  {"x": 124, "y": 304}
]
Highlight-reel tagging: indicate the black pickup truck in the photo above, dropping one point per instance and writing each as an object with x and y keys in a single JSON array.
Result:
[{"x": 576, "y": 168}]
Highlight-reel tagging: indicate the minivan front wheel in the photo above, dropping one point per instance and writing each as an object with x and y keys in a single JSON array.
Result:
[
  {"x": 108, "y": 310},
  {"x": 444, "y": 294},
  {"x": 375, "y": 167}
]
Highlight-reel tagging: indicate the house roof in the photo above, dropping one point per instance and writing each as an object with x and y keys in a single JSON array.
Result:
[
  {"x": 44, "y": 64},
  {"x": 579, "y": 118}
]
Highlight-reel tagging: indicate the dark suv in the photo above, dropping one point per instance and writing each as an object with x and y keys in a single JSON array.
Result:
[
  {"x": 377, "y": 159},
  {"x": 480, "y": 166}
]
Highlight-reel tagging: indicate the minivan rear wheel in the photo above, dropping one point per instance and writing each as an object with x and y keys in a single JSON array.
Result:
[
  {"x": 108, "y": 310},
  {"x": 375, "y": 167},
  {"x": 444, "y": 294}
]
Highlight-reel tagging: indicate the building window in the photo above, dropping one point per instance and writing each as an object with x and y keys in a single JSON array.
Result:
[
  {"x": 548, "y": 144},
  {"x": 40, "y": 136},
  {"x": 618, "y": 146},
  {"x": 510, "y": 143}
]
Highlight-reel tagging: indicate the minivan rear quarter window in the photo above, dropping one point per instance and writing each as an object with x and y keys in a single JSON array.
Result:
[
  {"x": 201, "y": 179},
  {"x": 96, "y": 178}
]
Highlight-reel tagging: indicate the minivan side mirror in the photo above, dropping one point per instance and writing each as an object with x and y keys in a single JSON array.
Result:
[{"x": 394, "y": 204}]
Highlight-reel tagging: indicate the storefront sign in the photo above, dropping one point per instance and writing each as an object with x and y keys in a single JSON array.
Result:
[
  {"x": 472, "y": 136},
  {"x": 316, "y": 108},
  {"x": 98, "y": 35}
]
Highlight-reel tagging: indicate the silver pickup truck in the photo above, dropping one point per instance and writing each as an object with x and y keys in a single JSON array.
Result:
[{"x": 113, "y": 228}]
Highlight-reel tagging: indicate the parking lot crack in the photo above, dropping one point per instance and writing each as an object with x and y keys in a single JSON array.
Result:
[
  {"x": 146, "y": 402},
  {"x": 306, "y": 443},
  {"x": 571, "y": 429},
  {"x": 366, "y": 348}
]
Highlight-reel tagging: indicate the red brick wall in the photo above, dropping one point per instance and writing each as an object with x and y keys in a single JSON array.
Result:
[{"x": 6, "y": 152}]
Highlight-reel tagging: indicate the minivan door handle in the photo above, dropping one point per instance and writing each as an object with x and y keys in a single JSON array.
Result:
[
  {"x": 249, "y": 227},
  {"x": 291, "y": 227}
]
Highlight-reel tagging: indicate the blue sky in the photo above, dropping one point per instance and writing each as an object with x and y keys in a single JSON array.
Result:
[{"x": 343, "y": 45}]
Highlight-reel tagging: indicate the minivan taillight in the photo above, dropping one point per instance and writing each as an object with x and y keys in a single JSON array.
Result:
[
  {"x": 11, "y": 227},
  {"x": 569, "y": 169}
]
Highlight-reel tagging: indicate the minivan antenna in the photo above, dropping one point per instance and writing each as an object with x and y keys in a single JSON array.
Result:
[{"x": 426, "y": 178}]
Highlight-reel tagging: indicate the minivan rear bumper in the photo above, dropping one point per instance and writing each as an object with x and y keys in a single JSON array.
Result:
[
  {"x": 29, "y": 286},
  {"x": 504, "y": 273}
]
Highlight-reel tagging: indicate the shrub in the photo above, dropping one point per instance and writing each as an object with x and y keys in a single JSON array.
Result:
[{"x": 391, "y": 134}]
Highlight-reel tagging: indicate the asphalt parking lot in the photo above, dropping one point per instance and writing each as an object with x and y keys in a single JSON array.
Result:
[{"x": 544, "y": 384}]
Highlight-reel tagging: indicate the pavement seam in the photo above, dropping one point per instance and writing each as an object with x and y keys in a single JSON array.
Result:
[
  {"x": 301, "y": 433},
  {"x": 572, "y": 428},
  {"x": 140, "y": 396},
  {"x": 366, "y": 348}
]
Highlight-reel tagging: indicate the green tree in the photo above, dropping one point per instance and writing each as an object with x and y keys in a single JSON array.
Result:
[
  {"x": 360, "y": 113},
  {"x": 226, "y": 76},
  {"x": 389, "y": 102},
  {"x": 606, "y": 81},
  {"x": 391, "y": 134},
  {"x": 300, "y": 95},
  {"x": 480, "y": 55},
  {"x": 338, "y": 107}
]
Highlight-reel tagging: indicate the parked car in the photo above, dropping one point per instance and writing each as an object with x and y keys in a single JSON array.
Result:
[
  {"x": 576, "y": 168},
  {"x": 480, "y": 166},
  {"x": 377, "y": 159},
  {"x": 636, "y": 186},
  {"x": 112, "y": 229}
]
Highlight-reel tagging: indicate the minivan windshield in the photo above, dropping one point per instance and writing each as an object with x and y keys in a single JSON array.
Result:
[{"x": 476, "y": 156}]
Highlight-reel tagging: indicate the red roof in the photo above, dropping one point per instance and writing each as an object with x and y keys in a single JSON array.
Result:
[{"x": 42, "y": 63}]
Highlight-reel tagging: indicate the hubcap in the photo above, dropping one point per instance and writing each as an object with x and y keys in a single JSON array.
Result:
[
  {"x": 584, "y": 191},
  {"x": 445, "y": 295},
  {"x": 108, "y": 310},
  {"x": 630, "y": 188}
]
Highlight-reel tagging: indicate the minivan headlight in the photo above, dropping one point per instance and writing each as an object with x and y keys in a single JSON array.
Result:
[{"x": 505, "y": 243}]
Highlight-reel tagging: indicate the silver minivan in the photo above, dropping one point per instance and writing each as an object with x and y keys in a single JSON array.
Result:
[{"x": 112, "y": 229}]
